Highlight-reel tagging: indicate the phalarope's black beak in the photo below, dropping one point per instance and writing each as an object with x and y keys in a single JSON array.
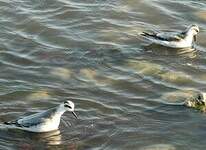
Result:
[
  {"x": 75, "y": 115},
  {"x": 195, "y": 38}
]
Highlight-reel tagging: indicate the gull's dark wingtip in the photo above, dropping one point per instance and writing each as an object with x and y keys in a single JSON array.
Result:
[
  {"x": 10, "y": 122},
  {"x": 7, "y": 123},
  {"x": 146, "y": 34},
  {"x": 143, "y": 33}
]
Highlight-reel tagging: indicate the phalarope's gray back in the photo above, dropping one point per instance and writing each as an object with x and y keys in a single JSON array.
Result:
[
  {"x": 43, "y": 121},
  {"x": 183, "y": 39}
]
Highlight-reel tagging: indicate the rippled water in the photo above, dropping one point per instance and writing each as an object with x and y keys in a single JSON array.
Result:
[{"x": 89, "y": 51}]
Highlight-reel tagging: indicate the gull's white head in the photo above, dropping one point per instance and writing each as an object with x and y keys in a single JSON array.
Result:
[
  {"x": 69, "y": 106},
  {"x": 193, "y": 30}
]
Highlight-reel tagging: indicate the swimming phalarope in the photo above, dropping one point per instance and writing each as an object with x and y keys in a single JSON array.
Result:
[
  {"x": 182, "y": 39},
  {"x": 43, "y": 121}
]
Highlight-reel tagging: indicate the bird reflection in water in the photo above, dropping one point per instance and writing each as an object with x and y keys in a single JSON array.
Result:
[
  {"x": 39, "y": 140},
  {"x": 45, "y": 140},
  {"x": 50, "y": 138},
  {"x": 165, "y": 51}
]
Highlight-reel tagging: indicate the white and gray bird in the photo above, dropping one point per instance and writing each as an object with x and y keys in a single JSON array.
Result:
[
  {"x": 45, "y": 121},
  {"x": 184, "y": 39}
]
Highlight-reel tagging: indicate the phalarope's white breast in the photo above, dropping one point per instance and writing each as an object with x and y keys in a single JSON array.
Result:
[
  {"x": 43, "y": 121},
  {"x": 182, "y": 39}
]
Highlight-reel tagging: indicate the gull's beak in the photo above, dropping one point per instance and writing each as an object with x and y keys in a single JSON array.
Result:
[
  {"x": 195, "y": 38},
  {"x": 75, "y": 115}
]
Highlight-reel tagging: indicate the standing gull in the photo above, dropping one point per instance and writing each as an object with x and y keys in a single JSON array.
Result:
[
  {"x": 182, "y": 39},
  {"x": 43, "y": 121}
]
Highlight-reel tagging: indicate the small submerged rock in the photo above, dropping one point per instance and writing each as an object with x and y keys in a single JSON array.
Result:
[
  {"x": 62, "y": 73},
  {"x": 88, "y": 73},
  {"x": 201, "y": 14},
  {"x": 159, "y": 147},
  {"x": 145, "y": 67},
  {"x": 157, "y": 71},
  {"x": 178, "y": 96},
  {"x": 39, "y": 95},
  {"x": 176, "y": 77}
]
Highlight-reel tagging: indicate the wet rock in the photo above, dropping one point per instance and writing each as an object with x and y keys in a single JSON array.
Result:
[{"x": 198, "y": 101}]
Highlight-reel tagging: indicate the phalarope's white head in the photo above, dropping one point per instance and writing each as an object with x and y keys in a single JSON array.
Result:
[
  {"x": 69, "y": 106},
  {"x": 45, "y": 121},
  {"x": 182, "y": 39},
  {"x": 192, "y": 31}
]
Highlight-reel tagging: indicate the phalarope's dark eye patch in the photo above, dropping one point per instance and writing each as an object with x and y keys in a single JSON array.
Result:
[
  {"x": 65, "y": 105},
  {"x": 196, "y": 30}
]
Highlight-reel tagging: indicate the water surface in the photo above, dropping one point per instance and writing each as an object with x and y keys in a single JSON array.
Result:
[{"x": 89, "y": 52}]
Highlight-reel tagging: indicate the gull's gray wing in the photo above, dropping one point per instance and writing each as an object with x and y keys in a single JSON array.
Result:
[
  {"x": 170, "y": 36},
  {"x": 165, "y": 36},
  {"x": 34, "y": 119}
]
